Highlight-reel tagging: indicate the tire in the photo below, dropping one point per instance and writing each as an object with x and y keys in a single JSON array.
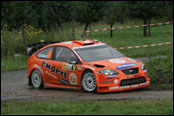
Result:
[
  {"x": 89, "y": 82},
  {"x": 36, "y": 79}
]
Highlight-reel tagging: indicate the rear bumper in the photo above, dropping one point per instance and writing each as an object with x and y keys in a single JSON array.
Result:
[{"x": 104, "y": 89}]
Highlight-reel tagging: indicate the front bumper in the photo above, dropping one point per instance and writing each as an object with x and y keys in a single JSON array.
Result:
[{"x": 117, "y": 87}]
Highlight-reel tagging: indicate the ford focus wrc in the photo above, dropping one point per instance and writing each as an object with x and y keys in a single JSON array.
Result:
[{"x": 90, "y": 65}]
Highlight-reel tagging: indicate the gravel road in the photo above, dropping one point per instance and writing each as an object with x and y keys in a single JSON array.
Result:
[{"x": 14, "y": 88}]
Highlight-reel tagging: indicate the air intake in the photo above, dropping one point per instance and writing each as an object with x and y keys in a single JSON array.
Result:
[{"x": 86, "y": 42}]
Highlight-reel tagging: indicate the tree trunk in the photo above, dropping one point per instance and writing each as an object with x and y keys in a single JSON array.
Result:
[
  {"x": 149, "y": 27},
  {"x": 58, "y": 24},
  {"x": 86, "y": 27},
  {"x": 111, "y": 31},
  {"x": 90, "y": 29},
  {"x": 145, "y": 28}
]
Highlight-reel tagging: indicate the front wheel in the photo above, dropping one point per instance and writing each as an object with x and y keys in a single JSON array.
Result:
[
  {"x": 36, "y": 79},
  {"x": 89, "y": 82}
]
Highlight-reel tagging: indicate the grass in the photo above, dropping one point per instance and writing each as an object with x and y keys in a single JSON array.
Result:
[
  {"x": 126, "y": 107},
  {"x": 160, "y": 72},
  {"x": 134, "y": 37},
  {"x": 13, "y": 63}
]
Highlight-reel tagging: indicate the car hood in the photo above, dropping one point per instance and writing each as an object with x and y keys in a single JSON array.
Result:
[{"x": 120, "y": 63}]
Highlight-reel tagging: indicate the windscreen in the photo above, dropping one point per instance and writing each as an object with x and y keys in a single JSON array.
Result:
[{"x": 98, "y": 52}]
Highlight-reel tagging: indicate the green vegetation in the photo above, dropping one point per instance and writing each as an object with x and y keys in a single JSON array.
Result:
[
  {"x": 161, "y": 73},
  {"x": 126, "y": 107},
  {"x": 49, "y": 14},
  {"x": 13, "y": 63},
  {"x": 133, "y": 37}
]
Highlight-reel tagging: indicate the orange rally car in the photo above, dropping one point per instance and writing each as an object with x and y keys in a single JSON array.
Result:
[{"x": 90, "y": 65}]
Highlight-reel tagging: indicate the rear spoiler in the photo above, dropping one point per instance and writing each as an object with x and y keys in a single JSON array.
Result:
[{"x": 32, "y": 48}]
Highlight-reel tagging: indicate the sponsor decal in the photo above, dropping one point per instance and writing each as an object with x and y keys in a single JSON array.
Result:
[
  {"x": 72, "y": 79},
  {"x": 124, "y": 66},
  {"x": 54, "y": 70},
  {"x": 145, "y": 83},
  {"x": 111, "y": 76},
  {"x": 74, "y": 67},
  {"x": 66, "y": 66},
  {"x": 50, "y": 74},
  {"x": 79, "y": 68},
  {"x": 42, "y": 56},
  {"x": 63, "y": 81},
  {"x": 117, "y": 61},
  {"x": 69, "y": 67},
  {"x": 130, "y": 76},
  {"x": 134, "y": 86},
  {"x": 115, "y": 87},
  {"x": 38, "y": 67},
  {"x": 124, "y": 87},
  {"x": 106, "y": 82}
]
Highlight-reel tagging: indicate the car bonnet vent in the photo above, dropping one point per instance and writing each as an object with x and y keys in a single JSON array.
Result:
[{"x": 99, "y": 66}]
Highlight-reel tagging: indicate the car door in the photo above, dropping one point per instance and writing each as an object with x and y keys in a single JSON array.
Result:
[
  {"x": 68, "y": 64},
  {"x": 55, "y": 74}
]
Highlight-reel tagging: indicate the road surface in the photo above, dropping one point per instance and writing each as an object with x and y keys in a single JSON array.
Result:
[{"x": 14, "y": 87}]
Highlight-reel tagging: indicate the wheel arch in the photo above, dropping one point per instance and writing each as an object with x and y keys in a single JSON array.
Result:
[{"x": 29, "y": 79}]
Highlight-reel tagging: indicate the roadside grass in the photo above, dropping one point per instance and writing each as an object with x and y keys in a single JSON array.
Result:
[
  {"x": 134, "y": 37},
  {"x": 13, "y": 63},
  {"x": 160, "y": 72},
  {"x": 126, "y": 107}
]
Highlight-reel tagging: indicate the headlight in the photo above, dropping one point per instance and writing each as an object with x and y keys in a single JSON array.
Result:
[
  {"x": 109, "y": 72},
  {"x": 143, "y": 67}
]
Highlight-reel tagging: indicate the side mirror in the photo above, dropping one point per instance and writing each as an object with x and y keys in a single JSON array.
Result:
[{"x": 73, "y": 62}]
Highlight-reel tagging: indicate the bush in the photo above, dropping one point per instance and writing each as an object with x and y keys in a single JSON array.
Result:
[{"x": 161, "y": 71}]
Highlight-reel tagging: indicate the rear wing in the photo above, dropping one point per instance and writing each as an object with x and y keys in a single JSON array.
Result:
[{"x": 32, "y": 48}]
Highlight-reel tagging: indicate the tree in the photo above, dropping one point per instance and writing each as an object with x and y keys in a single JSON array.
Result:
[
  {"x": 113, "y": 14},
  {"x": 167, "y": 10},
  {"x": 87, "y": 12},
  {"x": 8, "y": 13},
  {"x": 144, "y": 10}
]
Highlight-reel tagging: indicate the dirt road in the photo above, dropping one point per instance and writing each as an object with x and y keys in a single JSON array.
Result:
[{"x": 14, "y": 88}]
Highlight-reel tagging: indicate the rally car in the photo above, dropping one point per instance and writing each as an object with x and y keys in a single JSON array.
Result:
[{"x": 90, "y": 65}]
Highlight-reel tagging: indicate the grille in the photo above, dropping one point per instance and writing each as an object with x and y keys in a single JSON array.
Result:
[
  {"x": 130, "y": 71},
  {"x": 132, "y": 81}
]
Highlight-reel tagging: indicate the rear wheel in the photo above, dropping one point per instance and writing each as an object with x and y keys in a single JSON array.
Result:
[
  {"x": 89, "y": 82},
  {"x": 36, "y": 79}
]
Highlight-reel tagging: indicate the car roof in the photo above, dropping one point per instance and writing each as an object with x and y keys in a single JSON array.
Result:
[{"x": 76, "y": 43}]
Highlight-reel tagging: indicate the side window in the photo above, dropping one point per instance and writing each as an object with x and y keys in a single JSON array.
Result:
[
  {"x": 65, "y": 55},
  {"x": 57, "y": 53},
  {"x": 46, "y": 53}
]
